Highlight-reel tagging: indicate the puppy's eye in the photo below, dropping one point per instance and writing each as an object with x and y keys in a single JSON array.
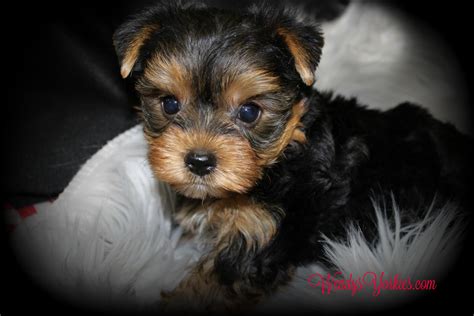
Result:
[
  {"x": 249, "y": 112},
  {"x": 170, "y": 105}
]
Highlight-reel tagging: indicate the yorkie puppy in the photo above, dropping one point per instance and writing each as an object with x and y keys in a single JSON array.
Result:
[{"x": 263, "y": 164}]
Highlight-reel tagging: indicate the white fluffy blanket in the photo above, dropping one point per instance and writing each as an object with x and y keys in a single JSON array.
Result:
[{"x": 108, "y": 240}]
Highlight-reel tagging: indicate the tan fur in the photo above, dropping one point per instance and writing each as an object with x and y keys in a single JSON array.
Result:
[
  {"x": 220, "y": 223},
  {"x": 291, "y": 132},
  {"x": 239, "y": 88},
  {"x": 299, "y": 136},
  {"x": 166, "y": 155},
  {"x": 300, "y": 55},
  {"x": 170, "y": 77},
  {"x": 133, "y": 50},
  {"x": 201, "y": 291}
]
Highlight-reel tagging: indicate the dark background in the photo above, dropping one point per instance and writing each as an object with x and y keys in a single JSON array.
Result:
[{"x": 65, "y": 99}]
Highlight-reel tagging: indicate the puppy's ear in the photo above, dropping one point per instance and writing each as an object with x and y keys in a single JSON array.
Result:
[
  {"x": 301, "y": 35},
  {"x": 129, "y": 41},
  {"x": 305, "y": 44}
]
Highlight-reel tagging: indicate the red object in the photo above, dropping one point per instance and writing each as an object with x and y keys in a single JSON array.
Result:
[{"x": 26, "y": 211}]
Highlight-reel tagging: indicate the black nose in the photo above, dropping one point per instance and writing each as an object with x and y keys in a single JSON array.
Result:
[{"x": 200, "y": 162}]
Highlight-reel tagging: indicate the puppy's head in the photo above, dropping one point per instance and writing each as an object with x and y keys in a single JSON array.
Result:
[{"x": 222, "y": 93}]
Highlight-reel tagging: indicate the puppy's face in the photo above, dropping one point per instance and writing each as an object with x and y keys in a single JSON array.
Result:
[{"x": 221, "y": 92}]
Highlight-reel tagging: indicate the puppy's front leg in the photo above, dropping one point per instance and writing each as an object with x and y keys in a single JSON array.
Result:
[{"x": 238, "y": 229}]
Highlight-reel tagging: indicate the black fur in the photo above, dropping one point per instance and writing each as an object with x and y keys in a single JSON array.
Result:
[{"x": 353, "y": 153}]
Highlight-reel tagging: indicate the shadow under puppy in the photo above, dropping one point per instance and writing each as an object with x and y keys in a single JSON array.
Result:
[{"x": 264, "y": 164}]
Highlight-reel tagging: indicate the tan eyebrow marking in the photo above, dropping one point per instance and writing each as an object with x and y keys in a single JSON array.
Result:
[
  {"x": 170, "y": 76},
  {"x": 238, "y": 88}
]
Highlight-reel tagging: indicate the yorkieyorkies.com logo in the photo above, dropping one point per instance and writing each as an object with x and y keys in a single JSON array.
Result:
[{"x": 375, "y": 282}]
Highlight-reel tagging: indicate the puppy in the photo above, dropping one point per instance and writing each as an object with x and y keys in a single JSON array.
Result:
[{"x": 263, "y": 164}]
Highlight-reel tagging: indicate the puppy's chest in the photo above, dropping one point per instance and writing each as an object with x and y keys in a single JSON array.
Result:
[{"x": 238, "y": 219}]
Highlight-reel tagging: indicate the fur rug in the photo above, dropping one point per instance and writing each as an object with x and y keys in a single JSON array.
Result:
[{"x": 108, "y": 240}]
